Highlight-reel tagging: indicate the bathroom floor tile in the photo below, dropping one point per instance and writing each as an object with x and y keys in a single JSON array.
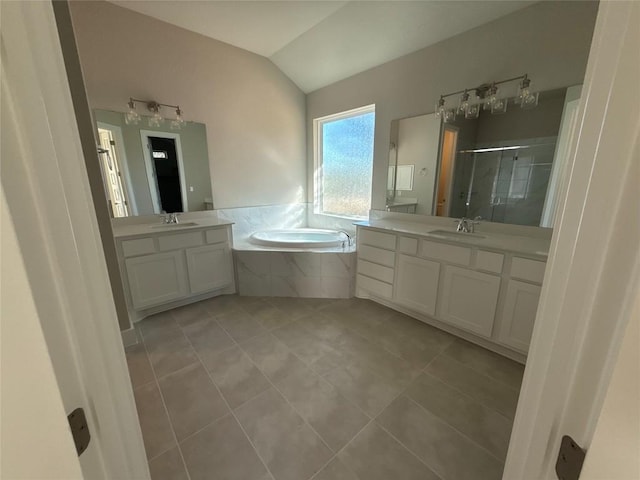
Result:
[
  {"x": 485, "y": 390},
  {"x": 224, "y": 449},
  {"x": 154, "y": 423},
  {"x": 438, "y": 444},
  {"x": 140, "y": 370},
  {"x": 192, "y": 400},
  {"x": 236, "y": 376},
  {"x": 319, "y": 389},
  {"x": 168, "y": 466},
  {"x": 375, "y": 455}
]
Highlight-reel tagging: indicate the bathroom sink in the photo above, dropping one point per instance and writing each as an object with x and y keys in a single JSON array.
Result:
[
  {"x": 452, "y": 234},
  {"x": 175, "y": 225}
]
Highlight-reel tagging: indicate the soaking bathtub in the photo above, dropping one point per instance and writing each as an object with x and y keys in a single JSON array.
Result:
[{"x": 300, "y": 238}]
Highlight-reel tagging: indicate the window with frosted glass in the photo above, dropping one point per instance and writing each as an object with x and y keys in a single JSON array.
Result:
[{"x": 344, "y": 163}]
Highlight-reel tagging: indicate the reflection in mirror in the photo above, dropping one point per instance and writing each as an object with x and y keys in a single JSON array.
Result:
[
  {"x": 503, "y": 168},
  {"x": 150, "y": 170}
]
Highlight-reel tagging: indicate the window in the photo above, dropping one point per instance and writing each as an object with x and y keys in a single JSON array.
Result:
[{"x": 344, "y": 162}]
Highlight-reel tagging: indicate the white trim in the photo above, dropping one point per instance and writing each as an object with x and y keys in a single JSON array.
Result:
[
  {"x": 123, "y": 163},
  {"x": 148, "y": 163},
  {"x": 317, "y": 158},
  {"x": 47, "y": 190},
  {"x": 594, "y": 259}
]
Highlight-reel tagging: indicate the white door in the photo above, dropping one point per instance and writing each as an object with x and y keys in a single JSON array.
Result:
[
  {"x": 157, "y": 279},
  {"x": 519, "y": 314},
  {"x": 45, "y": 183},
  {"x": 468, "y": 299},
  {"x": 111, "y": 175},
  {"x": 417, "y": 284},
  {"x": 593, "y": 272}
]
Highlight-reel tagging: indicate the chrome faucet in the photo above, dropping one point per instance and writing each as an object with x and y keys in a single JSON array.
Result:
[
  {"x": 170, "y": 218},
  {"x": 466, "y": 225},
  {"x": 349, "y": 240}
]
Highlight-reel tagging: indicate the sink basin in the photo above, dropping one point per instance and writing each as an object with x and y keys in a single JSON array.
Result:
[
  {"x": 175, "y": 225},
  {"x": 452, "y": 234}
]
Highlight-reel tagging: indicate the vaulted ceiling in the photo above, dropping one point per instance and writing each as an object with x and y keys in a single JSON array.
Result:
[{"x": 316, "y": 43}]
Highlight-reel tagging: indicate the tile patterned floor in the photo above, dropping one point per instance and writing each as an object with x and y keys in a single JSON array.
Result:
[{"x": 254, "y": 388}]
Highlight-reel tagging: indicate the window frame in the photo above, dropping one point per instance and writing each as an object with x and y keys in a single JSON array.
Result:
[{"x": 318, "y": 123}]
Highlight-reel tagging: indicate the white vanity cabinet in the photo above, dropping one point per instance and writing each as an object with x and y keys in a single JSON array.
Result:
[
  {"x": 166, "y": 269},
  {"x": 478, "y": 292}
]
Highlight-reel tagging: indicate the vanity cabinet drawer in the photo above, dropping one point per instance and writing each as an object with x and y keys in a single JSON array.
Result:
[
  {"x": 378, "y": 288},
  {"x": 489, "y": 261},
  {"x": 408, "y": 245},
  {"x": 377, "y": 239},
  {"x": 375, "y": 271},
  {"x": 180, "y": 241},
  {"x": 218, "y": 235},
  {"x": 526, "y": 269},
  {"x": 138, "y": 246},
  {"x": 377, "y": 255},
  {"x": 445, "y": 252}
]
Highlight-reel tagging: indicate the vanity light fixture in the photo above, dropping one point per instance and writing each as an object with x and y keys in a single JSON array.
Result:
[
  {"x": 132, "y": 117},
  {"x": 486, "y": 96}
]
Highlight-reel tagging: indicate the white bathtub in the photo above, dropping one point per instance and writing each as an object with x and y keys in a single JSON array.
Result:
[{"x": 300, "y": 238}]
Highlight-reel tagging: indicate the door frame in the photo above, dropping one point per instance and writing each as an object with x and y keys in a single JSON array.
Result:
[
  {"x": 593, "y": 269},
  {"x": 151, "y": 171},
  {"x": 123, "y": 164},
  {"x": 46, "y": 186}
]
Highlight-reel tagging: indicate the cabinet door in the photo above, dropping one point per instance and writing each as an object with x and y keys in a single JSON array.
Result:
[
  {"x": 156, "y": 279},
  {"x": 209, "y": 268},
  {"x": 519, "y": 314},
  {"x": 469, "y": 299},
  {"x": 416, "y": 284}
]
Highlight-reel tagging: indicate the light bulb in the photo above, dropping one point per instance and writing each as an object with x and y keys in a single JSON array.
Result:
[
  {"x": 179, "y": 122},
  {"x": 464, "y": 103},
  {"x": 440, "y": 110}
]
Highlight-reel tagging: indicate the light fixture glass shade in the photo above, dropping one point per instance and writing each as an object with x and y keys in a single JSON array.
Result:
[
  {"x": 449, "y": 116},
  {"x": 156, "y": 119},
  {"x": 132, "y": 117},
  {"x": 499, "y": 106},
  {"x": 440, "y": 109},
  {"x": 529, "y": 101},
  {"x": 179, "y": 122},
  {"x": 472, "y": 111},
  {"x": 464, "y": 103}
]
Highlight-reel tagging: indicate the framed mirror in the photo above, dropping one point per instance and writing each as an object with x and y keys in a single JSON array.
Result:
[
  {"x": 500, "y": 167},
  {"x": 150, "y": 170}
]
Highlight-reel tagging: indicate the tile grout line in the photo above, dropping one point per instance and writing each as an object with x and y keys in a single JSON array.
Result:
[
  {"x": 489, "y": 407},
  {"x": 164, "y": 405},
  {"x": 497, "y": 380},
  {"x": 264, "y": 464}
]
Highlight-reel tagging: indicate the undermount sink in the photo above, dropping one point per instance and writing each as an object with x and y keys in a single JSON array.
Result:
[
  {"x": 175, "y": 225},
  {"x": 450, "y": 233}
]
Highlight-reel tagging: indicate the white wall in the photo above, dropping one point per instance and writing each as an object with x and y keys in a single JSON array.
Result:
[
  {"x": 254, "y": 114},
  {"x": 549, "y": 41}
]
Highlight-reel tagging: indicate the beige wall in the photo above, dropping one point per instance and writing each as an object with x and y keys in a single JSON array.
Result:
[
  {"x": 253, "y": 113},
  {"x": 549, "y": 41}
]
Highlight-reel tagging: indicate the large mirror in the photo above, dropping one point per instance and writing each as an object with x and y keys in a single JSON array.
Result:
[
  {"x": 502, "y": 168},
  {"x": 150, "y": 170}
]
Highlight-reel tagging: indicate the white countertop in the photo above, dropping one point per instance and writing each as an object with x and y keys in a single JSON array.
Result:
[
  {"x": 143, "y": 229},
  {"x": 534, "y": 246}
]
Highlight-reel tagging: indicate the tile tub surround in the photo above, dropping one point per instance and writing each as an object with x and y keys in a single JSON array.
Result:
[
  {"x": 317, "y": 389},
  {"x": 247, "y": 220},
  {"x": 325, "y": 273}
]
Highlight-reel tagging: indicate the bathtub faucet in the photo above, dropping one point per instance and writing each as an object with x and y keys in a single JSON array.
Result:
[{"x": 349, "y": 240}]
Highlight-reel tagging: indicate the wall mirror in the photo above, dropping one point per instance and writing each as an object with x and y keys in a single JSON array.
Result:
[
  {"x": 503, "y": 168},
  {"x": 149, "y": 170}
]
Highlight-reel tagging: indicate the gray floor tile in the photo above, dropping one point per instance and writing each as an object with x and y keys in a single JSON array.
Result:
[
  {"x": 268, "y": 315},
  {"x": 168, "y": 466},
  {"x": 240, "y": 325},
  {"x": 447, "y": 452},
  {"x": 221, "y": 450},
  {"x": 304, "y": 344},
  {"x": 139, "y": 366},
  {"x": 481, "y": 424},
  {"x": 484, "y": 361},
  {"x": 291, "y": 449},
  {"x": 192, "y": 400},
  {"x": 370, "y": 392},
  {"x": 335, "y": 470},
  {"x": 190, "y": 313},
  {"x": 207, "y": 337},
  {"x": 159, "y": 328},
  {"x": 154, "y": 423},
  {"x": 331, "y": 415},
  {"x": 487, "y": 391},
  {"x": 237, "y": 377},
  {"x": 291, "y": 308},
  {"x": 375, "y": 455},
  {"x": 172, "y": 355},
  {"x": 222, "y": 304},
  {"x": 272, "y": 357}
]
